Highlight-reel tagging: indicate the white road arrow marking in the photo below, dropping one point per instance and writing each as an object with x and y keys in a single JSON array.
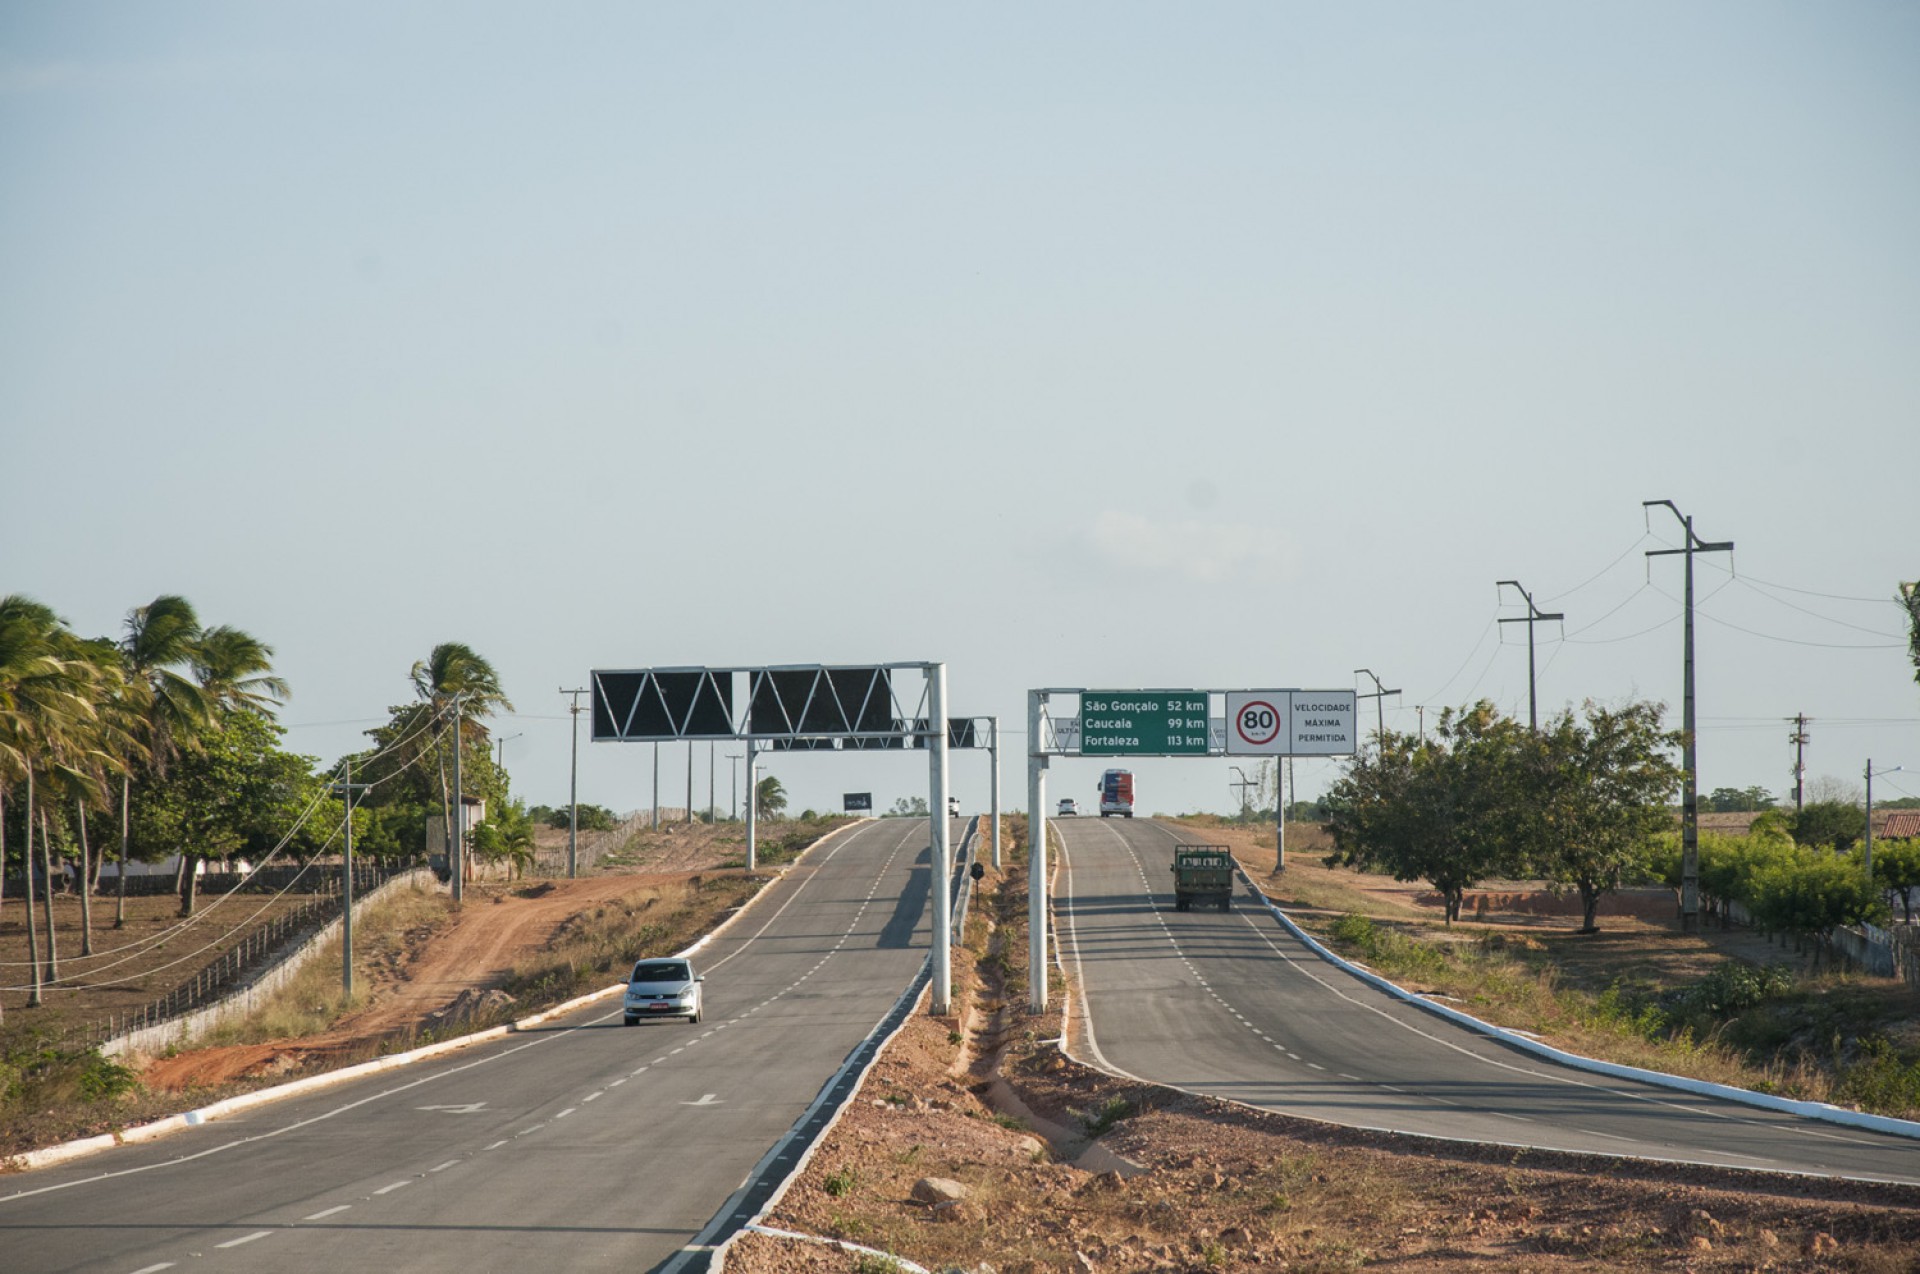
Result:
[
  {"x": 707, "y": 1100},
  {"x": 468, "y": 1109}
]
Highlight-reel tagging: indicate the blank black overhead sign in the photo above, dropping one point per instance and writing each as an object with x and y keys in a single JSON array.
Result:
[
  {"x": 820, "y": 701},
  {"x": 658, "y": 706}
]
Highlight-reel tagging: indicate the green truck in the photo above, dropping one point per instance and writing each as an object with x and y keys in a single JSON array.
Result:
[{"x": 1202, "y": 873}]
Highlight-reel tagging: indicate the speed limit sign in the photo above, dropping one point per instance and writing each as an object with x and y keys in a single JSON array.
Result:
[{"x": 1257, "y": 723}]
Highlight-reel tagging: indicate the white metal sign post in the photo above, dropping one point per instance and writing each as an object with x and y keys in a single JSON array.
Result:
[{"x": 1275, "y": 723}]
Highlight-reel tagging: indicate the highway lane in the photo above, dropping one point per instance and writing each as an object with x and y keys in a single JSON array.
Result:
[
  {"x": 581, "y": 1144},
  {"x": 1231, "y": 1005}
]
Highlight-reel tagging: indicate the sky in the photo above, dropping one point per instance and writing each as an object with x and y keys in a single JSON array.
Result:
[{"x": 1109, "y": 345}]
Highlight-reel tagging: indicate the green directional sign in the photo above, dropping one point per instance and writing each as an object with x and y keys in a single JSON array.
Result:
[{"x": 1143, "y": 723}]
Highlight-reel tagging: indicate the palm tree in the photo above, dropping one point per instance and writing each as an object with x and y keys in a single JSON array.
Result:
[
  {"x": 235, "y": 669},
  {"x": 44, "y": 702},
  {"x": 85, "y": 755},
  {"x": 158, "y": 652},
  {"x": 456, "y": 680}
]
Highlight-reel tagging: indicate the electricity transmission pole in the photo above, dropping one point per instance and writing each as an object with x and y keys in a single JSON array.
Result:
[
  {"x": 1533, "y": 616},
  {"x": 1799, "y": 740},
  {"x": 457, "y": 825},
  {"x": 345, "y": 789},
  {"x": 1379, "y": 696},
  {"x": 1689, "y": 773},
  {"x": 573, "y": 788}
]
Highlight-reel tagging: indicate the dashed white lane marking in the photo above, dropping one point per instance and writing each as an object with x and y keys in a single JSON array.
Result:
[
  {"x": 443, "y": 1166},
  {"x": 154, "y": 1269},
  {"x": 390, "y": 1189},
  {"x": 245, "y": 1238},
  {"x": 496, "y": 1145},
  {"x": 616, "y": 1083},
  {"x": 568, "y": 1111},
  {"x": 324, "y": 1213},
  {"x": 592, "y": 1096}
]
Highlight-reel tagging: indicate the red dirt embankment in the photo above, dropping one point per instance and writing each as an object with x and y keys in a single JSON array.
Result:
[{"x": 472, "y": 953}]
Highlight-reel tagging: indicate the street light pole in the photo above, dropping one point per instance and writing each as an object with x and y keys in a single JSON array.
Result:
[
  {"x": 733, "y": 759},
  {"x": 500, "y": 749}
]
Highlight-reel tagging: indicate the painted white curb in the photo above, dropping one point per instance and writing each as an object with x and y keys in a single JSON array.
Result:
[
  {"x": 1700, "y": 1087},
  {"x": 69, "y": 1150}
]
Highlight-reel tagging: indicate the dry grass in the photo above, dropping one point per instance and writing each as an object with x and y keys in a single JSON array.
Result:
[
  {"x": 312, "y": 1000},
  {"x": 588, "y": 949}
]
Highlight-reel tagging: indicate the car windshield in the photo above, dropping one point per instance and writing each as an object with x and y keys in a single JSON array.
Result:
[{"x": 662, "y": 971}]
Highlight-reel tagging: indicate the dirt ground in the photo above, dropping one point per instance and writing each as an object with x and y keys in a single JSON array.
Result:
[
  {"x": 970, "y": 1147},
  {"x": 497, "y": 926}
]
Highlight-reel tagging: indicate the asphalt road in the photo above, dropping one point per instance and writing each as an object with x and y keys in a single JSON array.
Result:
[
  {"x": 1230, "y": 1005},
  {"x": 582, "y": 1144}
]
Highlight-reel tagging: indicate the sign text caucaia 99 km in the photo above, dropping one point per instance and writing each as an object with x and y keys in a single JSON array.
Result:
[{"x": 1149, "y": 723}]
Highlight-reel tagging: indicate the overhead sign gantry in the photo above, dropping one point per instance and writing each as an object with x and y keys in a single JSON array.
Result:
[
  {"x": 799, "y": 707},
  {"x": 1168, "y": 723}
]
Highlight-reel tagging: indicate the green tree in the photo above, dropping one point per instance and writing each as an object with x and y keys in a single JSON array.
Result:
[
  {"x": 908, "y": 807},
  {"x": 1836, "y": 825},
  {"x": 1449, "y": 810},
  {"x": 1809, "y": 892},
  {"x": 236, "y": 794},
  {"x": 1739, "y": 800},
  {"x": 1601, "y": 797},
  {"x": 770, "y": 797},
  {"x": 506, "y": 836},
  {"x": 1896, "y": 866}
]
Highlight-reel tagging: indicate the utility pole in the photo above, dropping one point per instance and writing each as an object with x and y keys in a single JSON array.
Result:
[
  {"x": 345, "y": 789},
  {"x": 1378, "y": 696},
  {"x": 500, "y": 745},
  {"x": 1689, "y": 772},
  {"x": 573, "y": 788},
  {"x": 1866, "y": 858},
  {"x": 1533, "y": 616},
  {"x": 733, "y": 759},
  {"x": 1243, "y": 783},
  {"x": 1799, "y": 740},
  {"x": 457, "y": 825}
]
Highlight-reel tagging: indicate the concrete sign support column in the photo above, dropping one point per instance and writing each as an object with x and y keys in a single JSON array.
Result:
[
  {"x": 993, "y": 752},
  {"x": 753, "y": 802},
  {"x": 1036, "y": 860},
  {"x": 942, "y": 845}
]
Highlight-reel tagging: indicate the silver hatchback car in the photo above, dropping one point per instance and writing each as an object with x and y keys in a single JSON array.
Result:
[{"x": 663, "y": 988}]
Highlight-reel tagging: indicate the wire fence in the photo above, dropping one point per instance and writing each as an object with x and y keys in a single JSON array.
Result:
[
  {"x": 591, "y": 847},
  {"x": 257, "y": 951}
]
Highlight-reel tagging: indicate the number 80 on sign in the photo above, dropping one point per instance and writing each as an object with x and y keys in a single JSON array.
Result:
[{"x": 1257, "y": 722}]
